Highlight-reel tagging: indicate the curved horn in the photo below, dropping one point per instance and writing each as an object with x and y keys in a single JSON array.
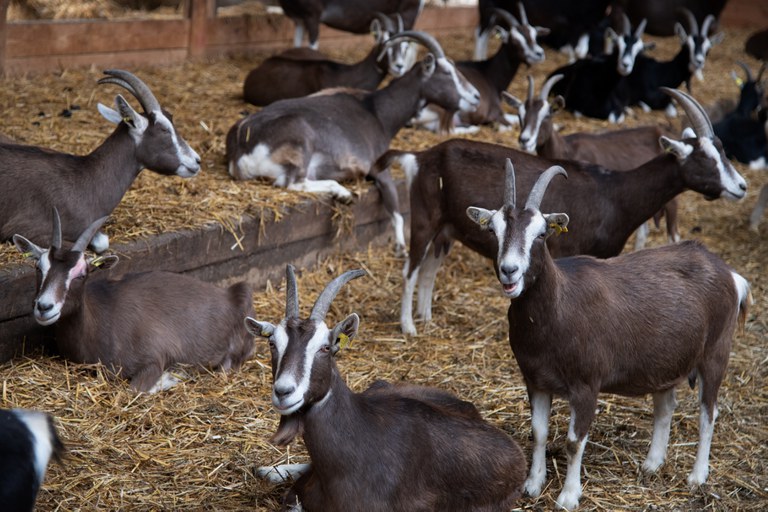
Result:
[
  {"x": 523, "y": 16},
  {"x": 746, "y": 69},
  {"x": 386, "y": 22},
  {"x": 626, "y": 25},
  {"x": 760, "y": 73},
  {"x": 400, "y": 23},
  {"x": 323, "y": 302},
  {"x": 134, "y": 85},
  {"x": 547, "y": 87},
  {"x": 85, "y": 237},
  {"x": 429, "y": 42},
  {"x": 537, "y": 192},
  {"x": 700, "y": 122},
  {"x": 56, "y": 235},
  {"x": 530, "y": 89},
  {"x": 507, "y": 17},
  {"x": 693, "y": 25},
  {"x": 706, "y": 24},
  {"x": 291, "y": 293},
  {"x": 510, "y": 194},
  {"x": 641, "y": 28}
]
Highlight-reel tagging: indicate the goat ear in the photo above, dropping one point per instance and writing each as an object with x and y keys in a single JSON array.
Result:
[
  {"x": 27, "y": 248},
  {"x": 429, "y": 63},
  {"x": 109, "y": 114},
  {"x": 102, "y": 262},
  {"x": 511, "y": 100},
  {"x": 542, "y": 31},
  {"x": 611, "y": 34},
  {"x": 688, "y": 133},
  {"x": 500, "y": 33},
  {"x": 558, "y": 103},
  {"x": 263, "y": 329},
  {"x": 680, "y": 149},
  {"x": 556, "y": 223},
  {"x": 717, "y": 38},
  {"x": 344, "y": 332},
  {"x": 128, "y": 115},
  {"x": 480, "y": 216}
]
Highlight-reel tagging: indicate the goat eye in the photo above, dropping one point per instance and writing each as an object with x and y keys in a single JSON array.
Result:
[{"x": 272, "y": 345}]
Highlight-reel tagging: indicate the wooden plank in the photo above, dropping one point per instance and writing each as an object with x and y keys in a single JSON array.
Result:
[
  {"x": 19, "y": 66},
  {"x": 199, "y": 12},
  {"x": 3, "y": 24}
]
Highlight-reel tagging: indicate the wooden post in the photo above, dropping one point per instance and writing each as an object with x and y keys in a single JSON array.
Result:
[
  {"x": 198, "y": 13},
  {"x": 3, "y": 33}
]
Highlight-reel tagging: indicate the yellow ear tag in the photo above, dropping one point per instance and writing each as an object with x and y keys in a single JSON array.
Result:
[
  {"x": 265, "y": 334},
  {"x": 483, "y": 221},
  {"x": 558, "y": 228},
  {"x": 739, "y": 81},
  {"x": 344, "y": 340},
  {"x": 26, "y": 255},
  {"x": 127, "y": 120}
]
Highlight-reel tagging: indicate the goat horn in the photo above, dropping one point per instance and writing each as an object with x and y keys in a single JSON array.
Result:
[
  {"x": 386, "y": 22},
  {"x": 641, "y": 28},
  {"x": 746, "y": 70},
  {"x": 707, "y": 24},
  {"x": 56, "y": 237},
  {"x": 400, "y": 23},
  {"x": 530, "y": 89},
  {"x": 760, "y": 73},
  {"x": 547, "y": 87},
  {"x": 510, "y": 193},
  {"x": 523, "y": 16},
  {"x": 700, "y": 122},
  {"x": 134, "y": 85},
  {"x": 429, "y": 42},
  {"x": 85, "y": 238},
  {"x": 323, "y": 302},
  {"x": 537, "y": 192},
  {"x": 693, "y": 25},
  {"x": 291, "y": 293},
  {"x": 507, "y": 17},
  {"x": 626, "y": 25}
]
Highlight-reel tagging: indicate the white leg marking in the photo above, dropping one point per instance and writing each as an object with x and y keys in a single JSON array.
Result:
[
  {"x": 282, "y": 473},
  {"x": 426, "y": 283},
  {"x": 541, "y": 403},
  {"x": 663, "y": 407},
  {"x": 706, "y": 428},
  {"x": 641, "y": 236},
  {"x": 165, "y": 382},
  {"x": 569, "y": 496},
  {"x": 330, "y": 187},
  {"x": 406, "y": 305},
  {"x": 398, "y": 226}
]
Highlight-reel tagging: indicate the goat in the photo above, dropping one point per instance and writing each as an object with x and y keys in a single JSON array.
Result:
[
  {"x": 308, "y": 143},
  {"x": 661, "y": 13},
  {"x": 302, "y": 71},
  {"x": 608, "y": 205},
  {"x": 85, "y": 188},
  {"x": 741, "y": 130},
  {"x": 28, "y": 440},
  {"x": 139, "y": 324},
  {"x": 348, "y": 15},
  {"x": 492, "y": 76},
  {"x": 391, "y": 447},
  {"x": 569, "y": 22},
  {"x": 649, "y": 75},
  {"x": 616, "y": 149},
  {"x": 592, "y": 87},
  {"x": 579, "y": 326}
]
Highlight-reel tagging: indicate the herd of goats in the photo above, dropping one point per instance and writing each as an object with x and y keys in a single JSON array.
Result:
[{"x": 570, "y": 295}]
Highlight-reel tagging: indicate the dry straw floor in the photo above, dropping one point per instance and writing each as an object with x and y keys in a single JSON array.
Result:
[{"x": 194, "y": 447}]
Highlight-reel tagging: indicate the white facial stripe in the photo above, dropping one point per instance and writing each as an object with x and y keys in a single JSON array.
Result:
[
  {"x": 517, "y": 255},
  {"x": 44, "y": 264},
  {"x": 730, "y": 180},
  {"x": 186, "y": 155},
  {"x": 288, "y": 377},
  {"x": 465, "y": 89}
]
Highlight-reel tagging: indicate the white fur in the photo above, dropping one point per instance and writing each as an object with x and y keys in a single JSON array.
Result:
[
  {"x": 37, "y": 424},
  {"x": 541, "y": 405},
  {"x": 282, "y": 473},
  {"x": 664, "y": 404}
]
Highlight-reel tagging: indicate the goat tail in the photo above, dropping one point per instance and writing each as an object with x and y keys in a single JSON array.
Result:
[
  {"x": 405, "y": 159},
  {"x": 744, "y": 293}
]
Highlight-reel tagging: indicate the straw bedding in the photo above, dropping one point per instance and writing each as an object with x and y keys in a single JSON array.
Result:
[{"x": 194, "y": 447}]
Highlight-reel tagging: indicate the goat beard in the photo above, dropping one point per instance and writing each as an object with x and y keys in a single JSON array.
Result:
[{"x": 290, "y": 426}]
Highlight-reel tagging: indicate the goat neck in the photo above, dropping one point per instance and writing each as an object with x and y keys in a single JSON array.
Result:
[{"x": 395, "y": 104}]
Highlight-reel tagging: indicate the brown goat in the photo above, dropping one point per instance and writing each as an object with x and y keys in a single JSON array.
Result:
[
  {"x": 637, "y": 324},
  {"x": 140, "y": 324},
  {"x": 391, "y": 448}
]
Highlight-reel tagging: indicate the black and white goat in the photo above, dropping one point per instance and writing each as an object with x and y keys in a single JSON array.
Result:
[
  {"x": 491, "y": 76},
  {"x": 85, "y": 188},
  {"x": 593, "y": 86},
  {"x": 580, "y": 326},
  {"x": 308, "y": 144},
  {"x": 607, "y": 205},
  {"x": 28, "y": 440},
  {"x": 741, "y": 130},
  {"x": 347, "y": 15},
  {"x": 391, "y": 448},
  {"x": 141, "y": 323},
  {"x": 302, "y": 71},
  {"x": 615, "y": 149},
  {"x": 649, "y": 75}
]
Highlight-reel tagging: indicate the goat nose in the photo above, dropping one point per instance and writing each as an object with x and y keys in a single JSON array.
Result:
[
  {"x": 508, "y": 270},
  {"x": 283, "y": 390},
  {"x": 44, "y": 307}
]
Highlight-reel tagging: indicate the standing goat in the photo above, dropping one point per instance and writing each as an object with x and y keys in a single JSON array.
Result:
[
  {"x": 348, "y": 15},
  {"x": 391, "y": 448},
  {"x": 85, "y": 188},
  {"x": 594, "y": 87},
  {"x": 140, "y": 324},
  {"x": 608, "y": 206},
  {"x": 301, "y": 71},
  {"x": 308, "y": 144},
  {"x": 621, "y": 150},
  {"x": 637, "y": 324},
  {"x": 28, "y": 440},
  {"x": 649, "y": 75},
  {"x": 492, "y": 76}
]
